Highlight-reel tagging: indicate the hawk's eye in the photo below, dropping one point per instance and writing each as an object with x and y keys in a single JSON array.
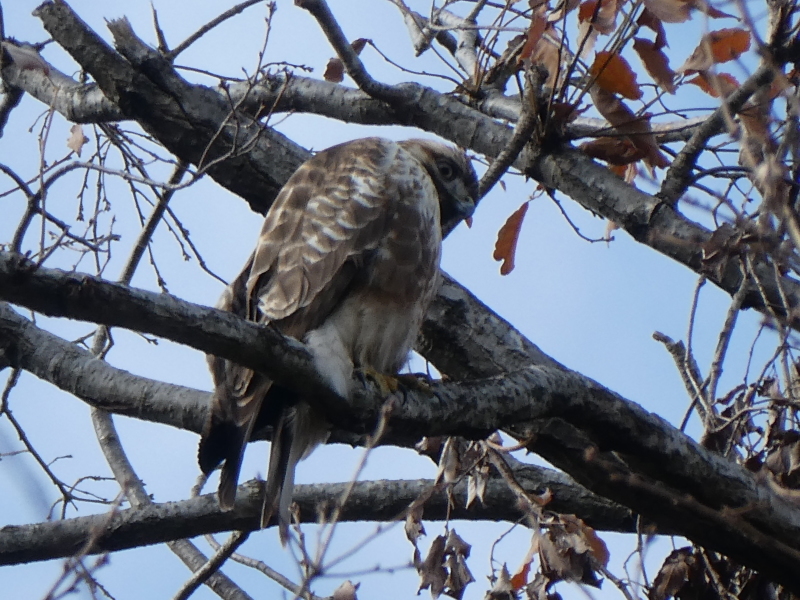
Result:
[{"x": 447, "y": 170}]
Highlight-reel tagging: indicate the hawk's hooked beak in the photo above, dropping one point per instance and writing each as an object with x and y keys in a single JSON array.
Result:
[
  {"x": 460, "y": 209},
  {"x": 465, "y": 207}
]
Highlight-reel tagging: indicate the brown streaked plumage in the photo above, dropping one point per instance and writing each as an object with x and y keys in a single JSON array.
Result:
[{"x": 348, "y": 262}]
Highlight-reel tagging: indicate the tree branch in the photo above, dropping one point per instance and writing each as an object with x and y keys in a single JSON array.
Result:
[
  {"x": 369, "y": 501},
  {"x": 652, "y": 450},
  {"x": 679, "y": 174}
]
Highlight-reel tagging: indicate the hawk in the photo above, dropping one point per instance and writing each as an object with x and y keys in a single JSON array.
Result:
[{"x": 347, "y": 262}]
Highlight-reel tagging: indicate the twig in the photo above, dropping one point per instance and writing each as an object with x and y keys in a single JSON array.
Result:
[
  {"x": 262, "y": 567},
  {"x": 687, "y": 368},
  {"x": 714, "y": 374},
  {"x": 143, "y": 241},
  {"x": 523, "y": 131},
  {"x": 201, "y": 575},
  {"x": 112, "y": 448},
  {"x": 352, "y": 63},
  {"x": 231, "y": 12},
  {"x": 679, "y": 174}
]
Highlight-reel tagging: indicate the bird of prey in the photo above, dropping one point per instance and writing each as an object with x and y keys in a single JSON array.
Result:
[{"x": 347, "y": 262}]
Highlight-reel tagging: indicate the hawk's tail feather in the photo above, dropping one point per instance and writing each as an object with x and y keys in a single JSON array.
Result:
[
  {"x": 229, "y": 478},
  {"x": 222, "y": 441},
  {"x": 280, "y": 476},
  {"x": 297, "y": 432}
]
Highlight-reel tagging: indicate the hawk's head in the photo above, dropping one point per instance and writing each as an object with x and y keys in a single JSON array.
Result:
[{"x": 452, "y": 172}]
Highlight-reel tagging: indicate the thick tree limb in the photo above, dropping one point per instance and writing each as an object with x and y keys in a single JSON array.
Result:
[
  {"x": 76, "y": 371},
  {"x": 94, "y": 381},
  {"x": 653, "y": 452},
  {"x": 369, "y": 501}
]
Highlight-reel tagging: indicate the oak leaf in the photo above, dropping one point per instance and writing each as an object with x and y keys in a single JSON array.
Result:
[
  {"x": 648, "y": 19},
  {"x": 679, "y": 11},
  {"x": 520, "y": 579},
  {"x": 656, "y": 63},
  {"x": 618, "y": 151},
  {"x": 678, "y": 568},
  {"x": 535, "y": 31},
  {"x": 717, "y": 47},
  {"x": 548, "y": 53},
  {"x": 602, "y": 18},
  {"x": 432, "y": 572},
  {"x": 614, "y": 74},
  {"x": 715, "y": 84},
  {"x": 506, "y": 246},
  {"x": 637, "y": 128},
  {"x": 334, "y": 70}
]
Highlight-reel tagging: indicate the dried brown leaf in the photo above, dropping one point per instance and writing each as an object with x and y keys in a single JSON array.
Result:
[
  {"x": 413, "y": 526},
  {"x": 334, "y": 70},
  {"x": 603, "y": 19},
  {"x": 715, "y": 84},
  {"x": 548, "y": 55},
  {"x": 648, "y": 19},
  {"x": 534, "y": 36},
  {"x": 611, "y": 227},
  {"x": 76, "y": 139},
  {"x": 637, "y": 128},
  {"x": 476, "y": 484},
  {"x": 432, "y": 572},
  {"x": 458, "y": 577},
  {"x": 679, "y": 11},
  {"x": 457, "y": 545},
  {"x": 556, "y": 565},
  {"x": 669, "y": 11},
  {"x": 613, "y": 74},
  {"x": 614, "y": 150},
  {"x": 571, "y": 551},
  {"x": 597, "y": 546},
  {"x": 502, "y": 589},
  {"x": 506, "y": 246},
  {"x": 564, "y": 112},
  {"x": 588, "y": 38},
  {"x": 717, "y": 47},
  {"x": 358, "y": 45},
  {"x": 563, "y": 7},
  {"x": 784, "y": 460},
  {"x": 656, "y": 63},
  {"x": 449, "y": 463},
  {"x": 346, "y": 591},
  {"x": 430, "y": 446},
  {"x": 674, "y": 574},
  {"x": 520, "y": 579}
]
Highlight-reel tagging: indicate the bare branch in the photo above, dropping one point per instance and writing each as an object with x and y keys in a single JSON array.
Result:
[
  {"x": 231, "y": 12},
  {"x": 377, "y": 501},
  {"x": 679, "y": 175},
  {"x": 352, "y": 63}
]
